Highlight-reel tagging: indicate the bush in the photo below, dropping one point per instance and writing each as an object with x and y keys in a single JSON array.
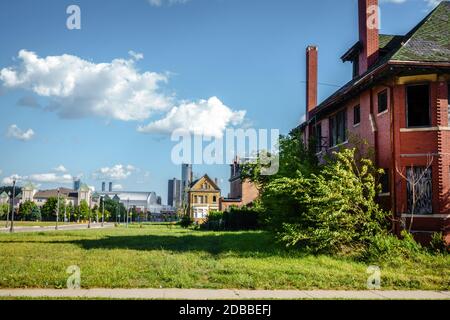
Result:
[
  {"x": 438, "y": 243},
  {"x": 389, "y": 248},
  {"x": 234, "y": 220},
  {"x": 186, "y": 221},
  {"x": 336, "y": 208}
]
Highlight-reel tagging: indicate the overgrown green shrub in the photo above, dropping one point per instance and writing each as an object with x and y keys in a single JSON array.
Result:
[
  {"x": 390, "y": 248},
  {"x": 336, "y": 208},
  {"x": 186, "y": 221},
  {"x": 438, "y": 244},
  {"x": 234, "y": 220}
]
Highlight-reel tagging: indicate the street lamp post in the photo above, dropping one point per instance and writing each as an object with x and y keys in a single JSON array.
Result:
[
  {"x": 128, "y": 209},
  {"x": 57, "y": 211},
  {"x": 12, "y": 211},
  {"x": 90, "y": 206},
  {"x": 9, "y": 208}
]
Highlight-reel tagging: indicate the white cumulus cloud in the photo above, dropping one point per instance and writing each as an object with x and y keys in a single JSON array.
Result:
[
  {"x": 80, "y": 88},
  {"x": 60, "y": 168},
  {"x": 206, "y": 117},
  {"x": 39, "y": 178},
  {"x": 117, "y": 172},
  {"x": 118, "y": 187},
  {"x": 16, "y": 133}
]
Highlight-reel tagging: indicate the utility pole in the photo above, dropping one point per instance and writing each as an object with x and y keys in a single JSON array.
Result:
[
  {"x": 57, "y": 212},
  {"x": 12, "y": 211}
]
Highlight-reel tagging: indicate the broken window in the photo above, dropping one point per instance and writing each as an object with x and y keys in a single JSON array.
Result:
[
  {"x": 338, "y": 128},
  {"x": 384, "y": 181},
  {"x": 317, "y": 137},
  {"x": 356, "y": 115},
  {"x": 418, "y": 105},
  {"x": 420, "y": 190},
  {"x": 382, "y": 101}
]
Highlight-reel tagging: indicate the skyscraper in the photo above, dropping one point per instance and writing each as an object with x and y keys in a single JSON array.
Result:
[
  {"x": 174, "y": 193},
  {"x": 186, "y": 180},
  {"x": 76, "y": 183}
]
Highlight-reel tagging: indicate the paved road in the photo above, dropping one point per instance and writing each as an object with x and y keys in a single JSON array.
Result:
[
  {"x": 60, "y": 228},
  {"x": 205, "y": 294}
]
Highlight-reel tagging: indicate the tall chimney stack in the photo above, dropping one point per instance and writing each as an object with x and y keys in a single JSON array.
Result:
[
  {"x": 369, "y": 25},
  {"x": 311, "y": 79}
]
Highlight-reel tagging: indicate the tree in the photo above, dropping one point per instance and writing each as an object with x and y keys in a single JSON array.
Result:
[
  {"x": 70, "y": 211},
  {"x": 293, "y": 156},
  {"x": 26, "y": 208},
  {"x": 84, "y": 210},
  {"x": 4, "y": 209},
  {"x": 36, "y": 214},
  {"x": 48, "y": 210}
]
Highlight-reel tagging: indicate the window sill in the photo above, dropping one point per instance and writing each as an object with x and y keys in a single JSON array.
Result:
[
  {"x": 382, "y": 112},
  {"x": 339, "y": 145},
  {"x": 357, "y": 125},
  {"x": 423, "y": 129}
]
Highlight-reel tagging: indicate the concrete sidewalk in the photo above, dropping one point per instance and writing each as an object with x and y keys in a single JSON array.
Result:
[
  {"x": 205, "y": 294},
  {"x": 61, "y": 227}
]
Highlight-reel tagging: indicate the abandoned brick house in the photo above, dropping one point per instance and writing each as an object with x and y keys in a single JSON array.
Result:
[{"x": 398, "y": 101}]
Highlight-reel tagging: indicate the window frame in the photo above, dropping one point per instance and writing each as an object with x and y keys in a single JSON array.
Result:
[
  {"x": 430, "y": 120},
  {"x": 379, "y": 94},
  {"x": 334, "y": 128},
  {"x": 357, "y": 107}
]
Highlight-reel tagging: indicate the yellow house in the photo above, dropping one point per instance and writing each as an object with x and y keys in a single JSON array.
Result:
[{"x": 203, "y": 195}]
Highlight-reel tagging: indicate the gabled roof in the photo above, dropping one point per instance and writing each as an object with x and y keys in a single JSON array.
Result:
[
  {"x": 428, "y": 42},
  {"x": 430, "y": 39},
  {"x": 4, "y": 195},
  {"x": 206, "y": 177}
]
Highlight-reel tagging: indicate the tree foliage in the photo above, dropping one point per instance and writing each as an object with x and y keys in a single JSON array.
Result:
[{"x": 336, "y": 207}]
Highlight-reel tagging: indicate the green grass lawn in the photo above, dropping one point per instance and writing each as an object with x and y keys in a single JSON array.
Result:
[{"x": 159, "y": 256}]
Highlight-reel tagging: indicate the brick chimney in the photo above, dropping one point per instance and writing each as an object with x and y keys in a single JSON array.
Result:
[
  {"x": 368, "y": 33},
  {"x": 311, "y": 79}
]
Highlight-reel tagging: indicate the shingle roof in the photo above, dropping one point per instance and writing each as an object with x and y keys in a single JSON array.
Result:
[{"x": 429, "y": 41}]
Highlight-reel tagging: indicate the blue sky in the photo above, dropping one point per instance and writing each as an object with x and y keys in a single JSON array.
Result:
[{"x": 247, "y": 55}]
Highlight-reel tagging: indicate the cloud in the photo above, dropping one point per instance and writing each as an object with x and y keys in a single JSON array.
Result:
[
  {"x": 39, "y": 178},
  {"x": 205, "y": 117},
  {"x": 51, "y": 178},
  {"x": 430, "y": 3},
  {"x": 159, "y": 3},
  {"x": 118, "y": 187},
  {"x": 78, "y": 88},
  {"x": 9, "y": 180},
  {"x": 16, "y": 133},
  {"x": 60, "y": 168},
  {"x": 117, "y": 172}
]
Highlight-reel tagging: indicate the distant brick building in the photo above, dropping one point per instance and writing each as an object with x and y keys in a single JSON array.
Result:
[
  {"x": 398, "y": 101},
  {"x": 242, "y": 191}
]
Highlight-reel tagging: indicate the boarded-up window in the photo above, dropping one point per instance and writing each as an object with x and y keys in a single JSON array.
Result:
[{"x": 420, "y": 190}]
